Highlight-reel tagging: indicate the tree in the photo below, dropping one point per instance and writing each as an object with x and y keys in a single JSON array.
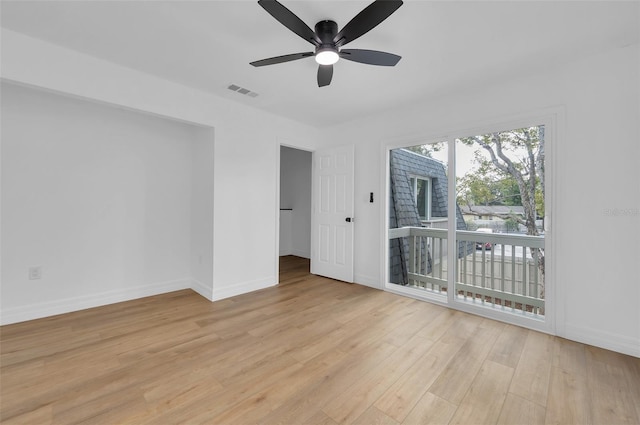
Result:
[
  {"x": 513, "y": 156},
  {"x": 511, "y": 224},
  {"x": 484, "y": 187},
  {"x": 428, "y": 149},
  {"x": 515, "y": 161}
]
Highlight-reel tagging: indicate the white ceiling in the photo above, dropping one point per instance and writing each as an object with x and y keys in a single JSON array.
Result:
[{"x": 446, "y": 46}]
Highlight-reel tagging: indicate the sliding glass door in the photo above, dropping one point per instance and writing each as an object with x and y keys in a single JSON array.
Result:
[{"x": 471, "y": 235}]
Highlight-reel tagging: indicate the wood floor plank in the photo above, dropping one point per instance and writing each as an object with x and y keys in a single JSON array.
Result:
[
  {"x": 569, "y": 400},
  {"x": 227, "y": 401},
  {"x": 612, "y": 398},
  {"x": 450, "y": 324},
  {"x": 41, "y": 415},
  {"x": 373, "y": 416},
  {"x": 405, "y": 393},
  {"x": 320, "y": 418},
  {"x": 412, "y": 324},
  {"x": 432, "y": 410},
  {"x": 569, "y": 356},
  {"x": 508, "y": 347},
  {"x": 454, "y": 381},
  {"x": 630, "y": 365},
  {"x": 531, "y": 378},
  {"x": 308, "y": 351},
  {"x": 517, "y": 410},
  {"x": 176, "y": 387},
  {"x": 337, "y": 379},
  {"x": 108, "y": 408},
  {"x": 485, "y": 397},
  {"x": 347, "y": 406},
  {"x": 322, "y": 344}
]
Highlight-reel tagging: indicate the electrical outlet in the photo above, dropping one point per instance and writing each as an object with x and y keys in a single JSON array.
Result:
[{"x": 35, "y": 272}]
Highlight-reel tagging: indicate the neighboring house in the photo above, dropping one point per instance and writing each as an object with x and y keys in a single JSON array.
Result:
[
  {"x": 490, "y": 216},
  {"x": 494, "y": 217},
  {"x": 490, "y": 212},
  {"x": 418, "y": 199}
]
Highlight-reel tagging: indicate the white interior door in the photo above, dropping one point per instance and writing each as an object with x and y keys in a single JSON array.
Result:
[{"x": 332, "y": 213}]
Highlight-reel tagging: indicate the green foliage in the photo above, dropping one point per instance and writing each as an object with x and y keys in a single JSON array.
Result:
[
  {"x": 539, "y": 195},
  {"x": 488, "y": 188},
  {"x": 428, "y": 149},
  {"x": 511, "y": 225},
  {"x": 509, "y": 171}
]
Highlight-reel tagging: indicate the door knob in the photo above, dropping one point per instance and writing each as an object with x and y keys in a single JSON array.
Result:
[{"x": 349, "y": 219}]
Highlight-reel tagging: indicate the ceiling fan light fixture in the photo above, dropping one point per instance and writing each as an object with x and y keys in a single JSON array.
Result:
[
  {"x": 329, "y": 42},
  {"x": 327, "y": 56}
]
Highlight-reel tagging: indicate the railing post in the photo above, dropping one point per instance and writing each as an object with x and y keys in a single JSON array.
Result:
[
  {"x": 513, "y": 271},
  {"x": 412, "y": 254},
  {"x": 525, "y": 284}
]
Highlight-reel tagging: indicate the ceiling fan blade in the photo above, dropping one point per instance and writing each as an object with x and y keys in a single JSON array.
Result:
[
  {"x": 325, "y": 73},
  {"x": 366, "y": 20},
  {"x": 370, "y": 57},
  {"x": 281, "y": 59},
  {"x": 289, "y": 20}
]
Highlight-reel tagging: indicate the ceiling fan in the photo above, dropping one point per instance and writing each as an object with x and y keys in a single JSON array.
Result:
[{"x": 328, "y": 41}]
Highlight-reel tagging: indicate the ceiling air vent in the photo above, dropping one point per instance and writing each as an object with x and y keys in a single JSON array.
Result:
[{"x": 242, "y": 90}]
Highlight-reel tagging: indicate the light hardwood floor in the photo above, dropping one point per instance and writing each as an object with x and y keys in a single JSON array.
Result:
[{"x": 310, "y": 351}]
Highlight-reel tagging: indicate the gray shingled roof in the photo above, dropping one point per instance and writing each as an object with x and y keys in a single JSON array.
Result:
[{"x": 403, "y": 211}]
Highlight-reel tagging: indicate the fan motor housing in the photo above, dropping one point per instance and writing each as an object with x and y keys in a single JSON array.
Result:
[{"x": 326, "y": 30}]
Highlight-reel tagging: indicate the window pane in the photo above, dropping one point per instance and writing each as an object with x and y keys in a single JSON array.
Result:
[
  {"x": 421, "y": 199},
  {"x": 501, "y": 246},
  {"x": 418, "y": 250},
  {"x": 412, "y": 182}
]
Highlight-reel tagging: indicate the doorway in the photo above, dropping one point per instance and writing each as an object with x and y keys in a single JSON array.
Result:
[{"x": 295, "y": 203}]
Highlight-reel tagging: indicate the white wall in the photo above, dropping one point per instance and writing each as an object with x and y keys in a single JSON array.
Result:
[
  {"x": 246, "y": 150},
  {"x": 246, "y": 209},
  {"x": 97, "y": 196},
  {"x": 202, "y": 212},
  {"x": 295, "y": 193},
  {"x": 596, "y": 161},
  {"x": 286, "y": 232}
]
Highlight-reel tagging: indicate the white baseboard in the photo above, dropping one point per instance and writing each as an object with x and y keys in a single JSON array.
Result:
[
  {"x": 297, "y": 253},
  {"x": 370, "y": 281},
  {"x": 300, "y": 253},
  {"x": 609, "y": 341},
  {"x": 242, "y": 288},
  {"x": 67, "y": 305},
  {"x": 202, "y": 289}
]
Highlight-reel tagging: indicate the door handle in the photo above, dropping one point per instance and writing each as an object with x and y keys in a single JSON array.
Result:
[{"x": 349, "y": 219}]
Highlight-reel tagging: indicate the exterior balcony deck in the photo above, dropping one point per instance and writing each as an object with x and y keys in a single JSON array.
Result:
[{"x": 497, "y": 270}]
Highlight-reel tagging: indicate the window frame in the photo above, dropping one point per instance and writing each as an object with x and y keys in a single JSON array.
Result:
[{"x": 413, "y": 180}]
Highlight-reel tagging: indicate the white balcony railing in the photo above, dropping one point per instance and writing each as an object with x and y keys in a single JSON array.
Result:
[{"x": 498, "y": 270}]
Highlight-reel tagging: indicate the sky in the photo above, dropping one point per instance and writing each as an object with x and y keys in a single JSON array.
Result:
[{"x": 464, "y": 158}]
